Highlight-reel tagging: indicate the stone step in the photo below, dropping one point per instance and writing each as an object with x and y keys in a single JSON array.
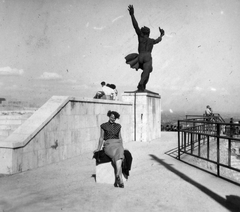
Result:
[
  {"x": 8, "y": 127},
  {"x": 2, "y": 138},
  {"x": 13, "y": 117},
  {"x": 11, "y": 121},
  {"x": 5, "y": 133},
  {"x": 5, "y": 127}
]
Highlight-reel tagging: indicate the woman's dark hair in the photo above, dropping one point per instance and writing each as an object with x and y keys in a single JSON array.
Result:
[
  {"x": 111, "y": 86},
  {"x": 116, "y": 114}
]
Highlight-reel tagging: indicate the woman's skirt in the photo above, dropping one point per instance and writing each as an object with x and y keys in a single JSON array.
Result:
[{"x": 114, "y": 149}]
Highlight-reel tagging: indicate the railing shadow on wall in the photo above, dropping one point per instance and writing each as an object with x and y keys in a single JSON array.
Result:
[
  {"x": 210, "y": 144},
  {"x": 62, "y": 128}
]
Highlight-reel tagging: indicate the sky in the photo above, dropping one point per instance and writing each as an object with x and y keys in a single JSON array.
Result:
[{"x": 67, "y": 48}]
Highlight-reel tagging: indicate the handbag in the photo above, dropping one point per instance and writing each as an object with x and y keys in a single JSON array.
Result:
[{"x": 101, "y": 157}]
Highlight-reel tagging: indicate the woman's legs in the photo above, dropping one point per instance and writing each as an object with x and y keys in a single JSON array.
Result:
[
  {"x": 119, "y": 169},
  {"x": 118, "y": 174}
]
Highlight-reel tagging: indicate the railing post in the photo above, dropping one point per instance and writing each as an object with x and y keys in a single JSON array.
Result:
[
  {"x": 229, "y": 152},
  {"x": 178, "y": 140},
  {"x": 199, "y": 145},
  {"x": 218, "y": 149}
]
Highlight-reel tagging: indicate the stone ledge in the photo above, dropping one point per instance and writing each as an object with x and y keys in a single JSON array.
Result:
[{"x": 24, "y": 133}]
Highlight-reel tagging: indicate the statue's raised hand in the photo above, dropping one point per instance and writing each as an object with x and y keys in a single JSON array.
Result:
[
  {"x": 161, "y": 32},
  {"x": 131, "y": 9}
]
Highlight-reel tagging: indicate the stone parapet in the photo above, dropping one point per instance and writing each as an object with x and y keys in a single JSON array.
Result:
[{"x": 62, "y": 128}]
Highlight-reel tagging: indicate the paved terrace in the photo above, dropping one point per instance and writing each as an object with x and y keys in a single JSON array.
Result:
[{"x": 157, "y": 182}]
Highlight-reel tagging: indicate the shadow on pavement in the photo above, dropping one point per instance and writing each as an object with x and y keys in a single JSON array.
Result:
[{"x": 231, "y": 202}]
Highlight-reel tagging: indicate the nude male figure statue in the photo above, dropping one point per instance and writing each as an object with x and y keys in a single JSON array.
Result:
[{"x": 143, "y": 60}]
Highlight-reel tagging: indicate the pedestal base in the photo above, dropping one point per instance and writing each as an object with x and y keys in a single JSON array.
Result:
[
  {"x": 105, "y": 173},
  {"x": 146, "y": 114}
]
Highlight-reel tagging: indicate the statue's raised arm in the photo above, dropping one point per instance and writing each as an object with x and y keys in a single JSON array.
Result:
[
  {"x": 162, "y": 33},
  {"x": 134, "y": 21}
]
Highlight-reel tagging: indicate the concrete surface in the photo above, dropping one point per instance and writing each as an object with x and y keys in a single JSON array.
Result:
[{"x": 157, "y": 182}]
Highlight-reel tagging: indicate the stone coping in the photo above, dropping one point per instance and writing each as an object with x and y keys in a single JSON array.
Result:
[
  {"x": 146, "y": 93},
  {"x": 24, "y": 133},
  {"x": 100, "y": 101}
]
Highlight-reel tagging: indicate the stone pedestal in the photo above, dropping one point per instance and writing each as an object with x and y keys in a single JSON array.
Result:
[
  {"x": 105, "y": 173},
  {"x": 146, "y": 114}
]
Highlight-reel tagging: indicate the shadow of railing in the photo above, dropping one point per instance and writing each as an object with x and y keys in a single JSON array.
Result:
[{"x": 231, "y": 202}]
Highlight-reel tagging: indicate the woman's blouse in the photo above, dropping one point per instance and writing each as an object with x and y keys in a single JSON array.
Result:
[{"x": 111, "y": 130}]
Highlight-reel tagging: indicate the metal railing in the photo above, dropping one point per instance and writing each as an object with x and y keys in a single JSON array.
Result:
[{"x": 210, "y": 144}]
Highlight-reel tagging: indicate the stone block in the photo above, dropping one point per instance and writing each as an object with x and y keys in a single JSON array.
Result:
[
  {"x": 90, "y": 109},
  {"x": 6, "y": 161},
  {"x": 78, "y": 149},
  {"x": 85, "y": 134},
  {"x": 17, "y": 160},
  {"x": 95, "y": 133},
  {"x": 42, "y": 157},
  {"x": 28, "y": 147},
  {"x": 29, "y": 160},
  {"x": 82, "y": 108},
  {"x": 88, "y": 146},
  {"x": 63, "y": 152},
  {"x": 105, "y": 173},
  {"x": 67, "y": 137},
  {"x": 63, "y": 124},
  {"x": 71, "y": 151},
  {"x": 67, "y": 109},
  {"x": 38, "y": 141},
  {"x": 55, "y": 155},
  {"x": 78, "y": 121},
  {"x": 49, "y": 139},
  {"x": 70, "y": 122},
  {"x": 98, "y": 109},
  {"x": 59, "y": 137}
]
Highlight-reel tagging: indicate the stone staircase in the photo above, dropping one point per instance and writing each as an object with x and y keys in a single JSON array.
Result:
[{"x": 11, "y": 120}]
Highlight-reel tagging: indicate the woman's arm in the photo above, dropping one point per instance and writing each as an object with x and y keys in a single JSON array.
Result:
[
  {"x": 100, "y": 142},
  {"x": 120, "y": 137}
]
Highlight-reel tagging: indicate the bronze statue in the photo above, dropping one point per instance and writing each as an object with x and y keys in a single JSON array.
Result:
[{"x": 143, "y": 60}]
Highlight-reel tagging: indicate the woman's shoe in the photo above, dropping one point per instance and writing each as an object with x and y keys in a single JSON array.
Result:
[
  {"x": 115, "y": 184},
  {"x": 121, "y": 185},
  {"x": 118, "y": 183}
]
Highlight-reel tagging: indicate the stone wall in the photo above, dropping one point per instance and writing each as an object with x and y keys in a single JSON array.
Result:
[{"x": 62, "y": 128}]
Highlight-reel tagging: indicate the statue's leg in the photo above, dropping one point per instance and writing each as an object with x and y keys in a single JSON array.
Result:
[
  {"x": 147, "y": 69},
  {"x": 146, "y": 81},
  {"x": 141, "y": 83},
  {"x": 145, "y": 61}
]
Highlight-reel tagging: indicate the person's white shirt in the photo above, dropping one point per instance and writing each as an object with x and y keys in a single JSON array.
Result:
[
  {"x": 115, "y": 95},
  {"x": 107, "y": 90},
  {"x": 208, "y": 111}
]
